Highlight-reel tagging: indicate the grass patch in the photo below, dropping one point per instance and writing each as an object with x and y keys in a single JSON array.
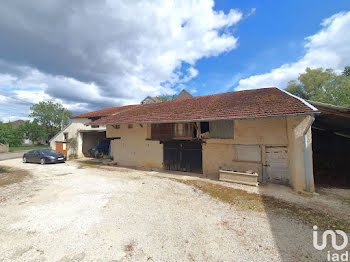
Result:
[
  {"x": 20, "y": 148},
  {"x": 255, "y": 202},
  {"x": 10, "y": 176}
]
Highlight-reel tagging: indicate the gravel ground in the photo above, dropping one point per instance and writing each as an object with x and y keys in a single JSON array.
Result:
[{"x": 66, "y": 213}]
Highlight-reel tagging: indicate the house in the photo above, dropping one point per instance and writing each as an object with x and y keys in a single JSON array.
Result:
[
  {"x": 150, "y": 100},
  {"x": 86, "y": 135},
  {"x": 184, "y": 94},
  {"x": 267, "y": 131}
]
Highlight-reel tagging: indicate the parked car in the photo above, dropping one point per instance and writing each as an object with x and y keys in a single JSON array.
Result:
[{"x": 43, "y": 156}]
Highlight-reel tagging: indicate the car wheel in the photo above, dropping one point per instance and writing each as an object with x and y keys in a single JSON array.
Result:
[
  {"x": 24, "y": 160},
  {"x": 42, "y": 161},
  {"x": 96, "y": 154}
]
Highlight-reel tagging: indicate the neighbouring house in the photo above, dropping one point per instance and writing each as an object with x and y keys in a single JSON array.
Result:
[
  {"x": 184, "y": 94},
  {"x": 86, "y": 135},
  {"x": 266, "y": 131},
  {"x": 150, "y": 100}
]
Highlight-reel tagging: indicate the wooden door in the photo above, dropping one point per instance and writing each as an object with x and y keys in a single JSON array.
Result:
[
  {"x": 62, "y": 147},
  {"x": 277, "y": 167},
  {"x": 183, "y": 156}
]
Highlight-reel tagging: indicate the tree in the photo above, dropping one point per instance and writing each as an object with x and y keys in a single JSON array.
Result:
[
  {"x": 167, "y": 97},
  {"x": 33, "y": 131},
  {"x": 346, "y": 71},
  {"x": 323, "y": 86},
  {"x": 10, "y": 135},
  {"x": 3, "y": 134},
  {"x": 50, "y": 115}
]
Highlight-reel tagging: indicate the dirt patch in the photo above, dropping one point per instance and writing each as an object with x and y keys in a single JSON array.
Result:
[
  {"x": 95, "y": 163},
  {"x": 255, "y": 202},
  {"x": 10, "y": 175}
]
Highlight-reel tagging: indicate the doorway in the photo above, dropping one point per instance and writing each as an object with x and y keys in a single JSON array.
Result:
[
  {"x": 183, "y": 156},
  {"x": 277, "y": 167}
]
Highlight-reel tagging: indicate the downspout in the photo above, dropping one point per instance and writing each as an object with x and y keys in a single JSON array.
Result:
[{"x": 306, "y": 155}]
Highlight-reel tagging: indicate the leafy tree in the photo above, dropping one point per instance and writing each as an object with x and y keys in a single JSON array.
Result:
[
  {"x": 346, "y": 71},
  {"x": 50, "y": 115},
  {"x": 323, "y": 86},
  {"x": 10, "y": 135},
  {"x": 3, "y": 134},
  {"x": 33, "y": 131},
  {"x": 167, "y": 97}
]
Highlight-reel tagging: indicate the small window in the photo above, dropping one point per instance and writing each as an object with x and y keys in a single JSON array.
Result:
[
  {"x": 130, "y": 126},
  {"x": 95, "y": 126},
  {"x": 182, "y": 130},
  {"x": 65, "y": 136}
]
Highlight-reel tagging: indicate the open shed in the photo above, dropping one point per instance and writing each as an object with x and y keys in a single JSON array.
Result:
[{"x": 331, "y": 145}]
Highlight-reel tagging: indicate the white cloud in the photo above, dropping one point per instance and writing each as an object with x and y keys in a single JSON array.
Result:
[
  {"x": 328, "y": 48},
  {"x": 106, "y": 53}
]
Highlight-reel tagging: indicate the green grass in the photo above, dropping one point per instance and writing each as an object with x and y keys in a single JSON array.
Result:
[{"x": 31, "y": 147}]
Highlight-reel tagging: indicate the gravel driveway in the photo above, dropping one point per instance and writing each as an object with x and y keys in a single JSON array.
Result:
[{"x": 66, "y": 213}]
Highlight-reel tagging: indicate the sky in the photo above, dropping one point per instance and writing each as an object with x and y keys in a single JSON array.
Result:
[{"x": 89, "y": 55}]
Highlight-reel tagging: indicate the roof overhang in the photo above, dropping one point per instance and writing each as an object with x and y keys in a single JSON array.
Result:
[
  {"x": 211, "y": 119},
  {"x": 333, "y": 118}
]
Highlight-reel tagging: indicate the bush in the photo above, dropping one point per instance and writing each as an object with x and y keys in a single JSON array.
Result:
[{"x": 73, "y": 144}]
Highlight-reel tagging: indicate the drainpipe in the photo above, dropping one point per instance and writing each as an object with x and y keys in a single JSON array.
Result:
[{"x": 306, "y": 155}]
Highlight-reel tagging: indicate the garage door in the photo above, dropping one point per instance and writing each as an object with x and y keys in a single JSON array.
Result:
[
  {"x": 277, "y": 167},
  {"x": 183, "y": 156}
]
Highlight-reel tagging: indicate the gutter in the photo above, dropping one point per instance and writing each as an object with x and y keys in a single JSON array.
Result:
[{"x": 306, "y": 155}]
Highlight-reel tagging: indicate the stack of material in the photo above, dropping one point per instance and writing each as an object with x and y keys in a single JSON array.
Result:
[{"x": 246, "y": 178}]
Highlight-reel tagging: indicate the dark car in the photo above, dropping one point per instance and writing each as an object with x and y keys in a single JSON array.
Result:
[{"x": 43, "y": 156}]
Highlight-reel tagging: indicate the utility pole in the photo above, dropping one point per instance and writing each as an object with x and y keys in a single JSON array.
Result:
[{"x": 62, "y": 121}]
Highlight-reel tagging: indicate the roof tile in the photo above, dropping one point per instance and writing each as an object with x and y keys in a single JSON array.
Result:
[{"x": 240, "y": 104}]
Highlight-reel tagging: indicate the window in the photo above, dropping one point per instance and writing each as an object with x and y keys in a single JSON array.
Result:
[
  {"x": 162, "y": 132},
  {"x": 130, "y": 126},
  {"x": 221, "y": 129},
  {"x": 65, "y": 135},
  {"x": 250, "y": 153},
  {"x": 182, "y": 130},
  {"x": 95, "y": 126}
]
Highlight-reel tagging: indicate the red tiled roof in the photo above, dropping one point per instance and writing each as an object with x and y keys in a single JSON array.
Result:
[
  {"x": 104, "y": 112},
  {"x": 241, "y": 104}
]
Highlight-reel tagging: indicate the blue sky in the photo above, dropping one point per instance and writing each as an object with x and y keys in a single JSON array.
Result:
[
  {"x": 90, "y": 55},
  {"x": 272, "y": 36}
]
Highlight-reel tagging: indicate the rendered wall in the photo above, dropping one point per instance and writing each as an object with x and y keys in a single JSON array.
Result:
[
  {"x": 73, "y": 130},
  {"x": 221, "y": 152},
  {"x": 296, "y": 128},
  {"x": 132, "y": 149},
  {"x": 4, "y": 148}
]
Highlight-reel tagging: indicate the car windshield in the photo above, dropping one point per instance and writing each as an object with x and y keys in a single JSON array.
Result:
[{"x": 49, "y": 152}]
